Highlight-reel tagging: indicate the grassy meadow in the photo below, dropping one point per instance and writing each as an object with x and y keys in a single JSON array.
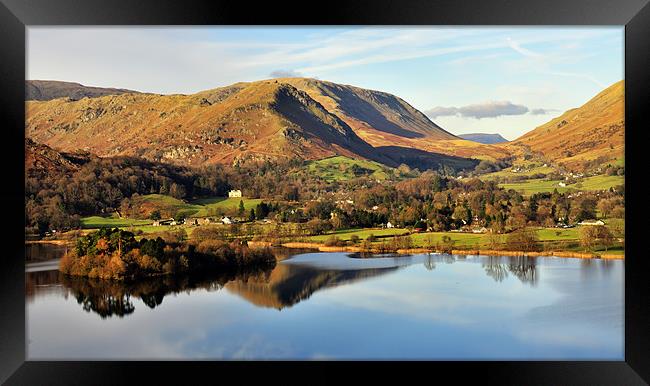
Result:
[
  {"x": 342, "y": 168},
  {"x": 593, "y": 183},
  {"x": 204, "y": 207}
]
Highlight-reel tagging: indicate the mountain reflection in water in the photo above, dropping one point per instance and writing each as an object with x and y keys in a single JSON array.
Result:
[{"x": 291, "y": 281}]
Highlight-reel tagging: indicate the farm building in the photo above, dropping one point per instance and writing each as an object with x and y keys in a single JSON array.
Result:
[
  {"x": 166, "y": 221},
  {"x": 234, "y": 193},
  {"x": 203, "y": 221},
  {"x": 198, "y": 221},
  {"x": 226, "y": 220}
]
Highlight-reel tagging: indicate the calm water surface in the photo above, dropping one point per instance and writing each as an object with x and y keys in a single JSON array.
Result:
[{"x": 332, "y": 306}]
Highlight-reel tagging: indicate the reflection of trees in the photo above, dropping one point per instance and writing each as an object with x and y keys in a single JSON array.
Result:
[
  {"x": 448, "y": 259},
  {"x": 524, "y": 268},
  {"x": 429, "y": 263},
  {"x": 106, "y": 304},
  {"x": 110, "y": 298},
  {"x": 41, "y": 278},
  {"x": 495, "y": 269}
]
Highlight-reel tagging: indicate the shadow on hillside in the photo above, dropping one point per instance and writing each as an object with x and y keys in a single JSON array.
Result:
[
  {"x": 355, "y": 106},
  {"x": 423, "y": 160}
]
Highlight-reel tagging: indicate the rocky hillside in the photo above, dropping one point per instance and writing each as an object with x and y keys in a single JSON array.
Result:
[
  {"x": 593, "y": 132},
  {"x": 487, "y": 139},
  {"x": 45, "y": 90},
  {"x": 243, "y": 122},
  {"x": 41, "y": 160},
  {"x": 385, "y": 120}
]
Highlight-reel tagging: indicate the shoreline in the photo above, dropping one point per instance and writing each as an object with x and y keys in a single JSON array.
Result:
[
  {"x": 467, "y": 252},
  {"x": 472, "y": 252},
  {"x": 55, "y": 242}
]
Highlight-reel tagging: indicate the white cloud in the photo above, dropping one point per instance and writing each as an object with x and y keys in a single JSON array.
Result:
[
  {"x": 490, "y": 109},
  {"x": 285, "y": 74}
]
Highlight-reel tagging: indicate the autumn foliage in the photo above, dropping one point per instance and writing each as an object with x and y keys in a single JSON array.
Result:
[{"x": 116, "y": 255}]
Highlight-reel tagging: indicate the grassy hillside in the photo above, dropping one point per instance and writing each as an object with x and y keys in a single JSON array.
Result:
[
  {"x": 212, "y": 206},
  {"x": 110, "y": 222},
  {"x": 342, "y": 168},
  {"x": 526, "y": 171},
  {"x": 529, "y": 187},
  {"x": 594, "y": 131},
  {"x": 144, "y": 206}
]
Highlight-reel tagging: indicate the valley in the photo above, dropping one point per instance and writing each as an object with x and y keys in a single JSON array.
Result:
[{"x": 310, "y": 157}]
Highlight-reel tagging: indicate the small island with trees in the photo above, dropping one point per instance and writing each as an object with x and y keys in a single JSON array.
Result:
[{"x": 115, "y": 254}]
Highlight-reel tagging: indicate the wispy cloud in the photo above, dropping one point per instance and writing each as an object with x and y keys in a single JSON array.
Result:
[
  {"x": 490, "y": 109},
  {"x": 285, "y": 74},
  {"x": 545, "y": 63},
  {"x": 542, "y": 111}
]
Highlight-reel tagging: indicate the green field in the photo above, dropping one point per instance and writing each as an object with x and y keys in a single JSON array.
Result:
[
  {"x": 419, "y": 239},
  {"x": 209, "y": 206},
  {"x": 202, "y": 207},
  {"x": 506, "y": 173},
  {"x": 167, "y": 204},
  {"x": 346, "y": 234},
  {"x": 551, "y": 238},
  {"x": 529, "y": 187},
  {"x": 342, "y": 168},
  {"x": 110, "y": 222},
  {"x": 198, "y": 208}
]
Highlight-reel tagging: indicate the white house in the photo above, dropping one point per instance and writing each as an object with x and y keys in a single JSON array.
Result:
[
  {"x": 158, "y": 223},
  {"x": 389, "y": 225},
  {"x": 562, "y": 184},
  {"x": 226, "y": 220},
  {"x": 234, "y": 193}
]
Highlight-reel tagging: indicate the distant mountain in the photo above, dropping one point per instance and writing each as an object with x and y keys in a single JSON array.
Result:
[
  {"x": 387, "y": 122},
  {"x": 245, "y": 122},
  {"x": 487, "y": 139},
  {"x": 592, "y": 132},
  {"x": 375, "y": 111},
  {"x": 45, "y": 90}
]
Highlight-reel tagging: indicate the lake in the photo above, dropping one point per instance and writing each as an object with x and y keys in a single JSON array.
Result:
[{"x": 333, "y": 306}]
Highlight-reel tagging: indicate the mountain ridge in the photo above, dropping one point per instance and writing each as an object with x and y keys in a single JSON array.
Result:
[
  {"x": 243, "y": 122},
  {"x": 52, "y": 89}
]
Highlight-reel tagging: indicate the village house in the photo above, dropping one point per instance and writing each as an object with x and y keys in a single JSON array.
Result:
[
  {"x": 203, "y": 221},
  {"x": 166, "y": 221},
  {"x": 234, "y": 193},
  {"x": 198, "y": 221},
  {"x": 389, "y": 225},
  {"x": 226, "y": 220},
  {"x": 480, "y": 230}
]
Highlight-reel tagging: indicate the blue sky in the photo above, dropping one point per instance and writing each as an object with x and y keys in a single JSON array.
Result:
[{"x": 467, "y": 79}]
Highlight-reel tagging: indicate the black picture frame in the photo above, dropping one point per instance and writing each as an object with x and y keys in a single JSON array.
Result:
[{"x": 15, "y": 15}]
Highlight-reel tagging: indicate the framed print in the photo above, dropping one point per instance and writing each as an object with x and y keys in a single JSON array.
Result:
[{"x": 217, "y": 188}]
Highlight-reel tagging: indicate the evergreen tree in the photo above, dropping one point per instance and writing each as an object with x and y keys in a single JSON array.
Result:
[{"x": 242, "y": 209}]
